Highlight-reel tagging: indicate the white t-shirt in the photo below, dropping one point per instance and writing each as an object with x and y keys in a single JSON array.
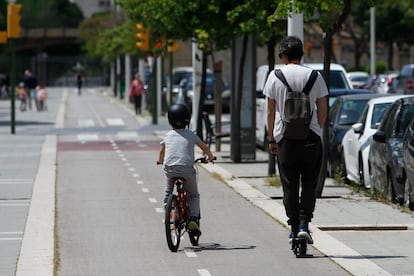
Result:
[
  {"x": 296, "y": 76},
  {"x": 179, "y": 147}
]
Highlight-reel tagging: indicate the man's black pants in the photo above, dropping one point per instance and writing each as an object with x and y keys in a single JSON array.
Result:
[{"x": 299, "y": 163}]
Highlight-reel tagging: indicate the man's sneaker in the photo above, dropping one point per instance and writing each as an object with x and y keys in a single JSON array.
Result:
[
  {"x": 193, "y": 225},
  {"x": 305, "y": 234},
  {"x": 292, "y": 236}
]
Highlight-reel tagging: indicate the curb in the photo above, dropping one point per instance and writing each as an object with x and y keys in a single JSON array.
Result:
[{"x": 344, "y": 256}]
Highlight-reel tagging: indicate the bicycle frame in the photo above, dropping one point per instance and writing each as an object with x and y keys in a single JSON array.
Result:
[{"x": 178, "y": 182}]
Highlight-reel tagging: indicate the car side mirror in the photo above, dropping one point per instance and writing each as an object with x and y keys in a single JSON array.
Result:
[
  {"x": 357, "y": 127},
  {"x": 379, "y": 136}
]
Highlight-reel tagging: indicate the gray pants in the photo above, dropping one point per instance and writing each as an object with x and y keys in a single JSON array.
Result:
[{"x": 190, "y": 185}]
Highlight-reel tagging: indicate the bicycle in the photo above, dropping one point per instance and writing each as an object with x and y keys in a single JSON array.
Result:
[{"x": 177, "y": 214}]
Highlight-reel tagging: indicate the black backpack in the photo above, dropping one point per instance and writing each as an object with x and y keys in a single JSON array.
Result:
[{"x": 297, "y": 114}]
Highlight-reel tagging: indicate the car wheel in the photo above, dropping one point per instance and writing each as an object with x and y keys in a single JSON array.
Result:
[
  {"x": 343, "y": 169},
  {"x": 361, "y": 172},
  {"x": 408, "y": 195}
]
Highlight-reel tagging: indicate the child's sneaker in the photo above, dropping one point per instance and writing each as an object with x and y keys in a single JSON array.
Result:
[
  {"x": 304, "y": 233},
  {"x": 193, "y": 225}
]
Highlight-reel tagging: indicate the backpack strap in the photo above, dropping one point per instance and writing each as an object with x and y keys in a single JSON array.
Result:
[
  {"x": 310, "y": 82},
  {"x": 308, "y": 85},
  {"x": 282, "y": 78}
]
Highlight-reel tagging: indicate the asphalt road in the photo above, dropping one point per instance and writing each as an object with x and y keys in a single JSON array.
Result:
[{"x": 109, "y": 215}]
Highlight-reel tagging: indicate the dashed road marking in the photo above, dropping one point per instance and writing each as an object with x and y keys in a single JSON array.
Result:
[
  {"x": 131, "y": 169},
  {"x": 140, "y": 182},
  {"x": 86, "y": 123},
  {"x": 114, "y": 122},
  {"x": 159, "y": 210},
  {"x": 190, "y": 253},
  {"x": 145, "y": 190},
  {"x": 84, "y": 137},
  {"x": 203, "y": 272},
  {"x": 128, "y": 135},
  {"x": 152, "y": 200},
  {"x": 135, "y": 175}
]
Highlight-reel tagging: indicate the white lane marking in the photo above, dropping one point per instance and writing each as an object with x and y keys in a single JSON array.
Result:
[
  {"x": 190, "y": 253},
  {"x": 145, "y": 190},
  {"x": 152, "y": 200},
  {"x": 123, "y": 159},
  {"x": 140, "y": 182},
  {"x": 11, "y": 239},
  {"x": 14, "y": 204},
  {"x": 114, "y": 122},
  {"x": 87, "y": 137},
  {"x": 135, "y": 175},
  {"x": 16, "y": 181},
  {"x": 127, "y": 164},
  {"x": 159, "y": 210},
  {"x": 128, "y": 135},
  {"x": 86, "y": 123},
  {"x": 203, "y": 272},
  {"x": 131, "y": 169}
]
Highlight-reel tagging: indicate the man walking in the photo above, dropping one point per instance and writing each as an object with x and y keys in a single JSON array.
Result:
[{"x": 299, "y": 160}]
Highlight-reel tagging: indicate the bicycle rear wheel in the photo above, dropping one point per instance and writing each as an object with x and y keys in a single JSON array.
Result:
[{"x": 172, "y": 223}]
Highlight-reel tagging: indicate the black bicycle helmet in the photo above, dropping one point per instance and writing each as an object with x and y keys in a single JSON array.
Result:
[{"x": 179, "y": 116}]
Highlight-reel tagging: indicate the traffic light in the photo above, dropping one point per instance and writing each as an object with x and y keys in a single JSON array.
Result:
[
  {"x": 143, "y": 38},
  {"x": 13, "y": 20},
  {"x": 172, "y": 46}
]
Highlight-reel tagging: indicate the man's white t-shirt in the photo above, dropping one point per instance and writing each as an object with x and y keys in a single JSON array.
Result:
[{"x": 296, "y": 76}]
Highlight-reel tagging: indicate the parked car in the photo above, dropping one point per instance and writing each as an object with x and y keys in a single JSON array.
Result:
[
  {"x": 386, "y": 84},
  {"x": 184, "y": 89},
  {"x": 334, "y": 93},
  {"x": 356, "y": 141},
  {"x": 358, "y": 78},
  {"x": 385, "y": 157},
  {"x": 408, "y": 161},
  {"x": 405, "y": 80},
  {"x": 338, "y": 81},
  {"x": 345, "y": 111}
]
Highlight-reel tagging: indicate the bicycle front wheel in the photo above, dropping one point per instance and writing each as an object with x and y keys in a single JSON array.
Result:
[{"x": 172, "y": 223}]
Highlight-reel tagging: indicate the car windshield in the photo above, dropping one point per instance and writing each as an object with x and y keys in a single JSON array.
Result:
[
  {"x": 351, "y": 111},
  {"x": 377, "y": 114},
  {"x": 406, "y": 116},
  {"x": 179, "y": 76},
  {"x": 337, "y": 80}
]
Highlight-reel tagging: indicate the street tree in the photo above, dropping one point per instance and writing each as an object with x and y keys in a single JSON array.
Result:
[{"x": 204, "y": 22}]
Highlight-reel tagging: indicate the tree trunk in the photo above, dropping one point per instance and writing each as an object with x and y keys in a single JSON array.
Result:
[
  {"x": 202, "y": 95},
  {"x": 271, "y": 169},
  {"x": 326, "y": 69},
  {"x": 236, "y": 129}
]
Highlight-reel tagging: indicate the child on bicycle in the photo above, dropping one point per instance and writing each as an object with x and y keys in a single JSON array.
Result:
[{"x": 177, "y": 156}]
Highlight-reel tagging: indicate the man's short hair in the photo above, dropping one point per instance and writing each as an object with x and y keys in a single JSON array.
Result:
[{"x": 292, "y": 47}]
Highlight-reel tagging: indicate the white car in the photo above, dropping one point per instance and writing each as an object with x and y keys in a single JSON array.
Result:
[
  {"x": 338, "y": 80},
  {"x": 358, "y": 78},
  {"x": 357, "y": 140}
]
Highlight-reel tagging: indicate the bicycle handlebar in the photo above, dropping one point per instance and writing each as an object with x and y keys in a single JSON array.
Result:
[{"x": 202, "y": 159}]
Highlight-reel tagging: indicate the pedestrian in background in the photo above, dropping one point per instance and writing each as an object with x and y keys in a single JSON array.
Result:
[
  {"x": 30, "y": 83},
  {"x": 299, "y": 161},
  {"x": 22, "y": 95},
  {"x": 79, "y": 81},
  {"x": 135, "y": 91},
  {"x": 41, "y": 97}
]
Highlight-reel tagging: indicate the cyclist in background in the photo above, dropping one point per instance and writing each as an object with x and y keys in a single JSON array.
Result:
[{"x": 177, "y": 156}]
